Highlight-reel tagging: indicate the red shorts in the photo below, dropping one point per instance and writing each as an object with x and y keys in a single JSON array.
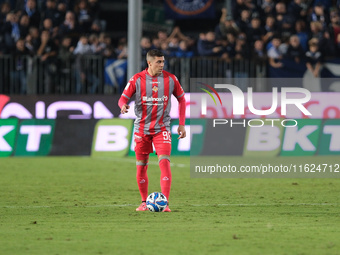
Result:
[{"x": 161, "y": 141}]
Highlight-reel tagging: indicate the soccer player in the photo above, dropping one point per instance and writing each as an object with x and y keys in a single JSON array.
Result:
[{"x": 153, "y": 88}]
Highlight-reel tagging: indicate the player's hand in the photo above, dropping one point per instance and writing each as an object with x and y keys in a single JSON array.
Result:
[
  {"x": 181, "y": 131},
  {"x": 125, "y": 108}
]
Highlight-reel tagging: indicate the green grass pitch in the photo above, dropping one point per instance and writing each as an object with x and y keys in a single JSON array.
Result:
[{"x": 84, "y": 205}]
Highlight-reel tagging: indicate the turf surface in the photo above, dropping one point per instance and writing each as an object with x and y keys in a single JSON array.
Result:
[{"x": 83, "y": 205}]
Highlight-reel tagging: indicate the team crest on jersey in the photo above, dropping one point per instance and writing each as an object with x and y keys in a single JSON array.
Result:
[{"x": 155, "y": 89}]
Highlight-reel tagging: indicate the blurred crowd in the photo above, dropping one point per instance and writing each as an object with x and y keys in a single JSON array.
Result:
[
  {"x": 306, "y": 31},
  {"x": 301, "y": 30},
  {"x": 55, "y": 31},
  {"x": 42, "y": 26}
]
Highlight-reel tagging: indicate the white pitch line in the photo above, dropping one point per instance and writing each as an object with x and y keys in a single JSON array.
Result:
[
  {"x": 194, "y": 205},
  {"x": 128, "y": 160}
]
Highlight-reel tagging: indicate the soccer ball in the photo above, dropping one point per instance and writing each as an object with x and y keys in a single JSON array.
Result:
[{"x": 156, "y": 202}]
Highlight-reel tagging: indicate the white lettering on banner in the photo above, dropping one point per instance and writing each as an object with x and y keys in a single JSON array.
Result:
[
  {"x": 321, "y": 106},
  {"x": 295, "y": 136},
  {"x": 266, "y": 138},
  {"x": 40, "y": 110},
  {"x": 100, "y": 111},
  {"x": 334, "y": 131},
  {"x": 185, "y": 144},
  {"x": 111, "y": 138},
  {"x": 238, "y": 100},
  {"x": 83, "y": 107},
  {"x": 34, "y": 135},
  {"x": 15, "y": 110},
  {"x": 4, "y": 130}
]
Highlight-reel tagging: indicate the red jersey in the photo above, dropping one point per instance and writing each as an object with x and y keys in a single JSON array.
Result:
[{"x": 153, "y": 100}]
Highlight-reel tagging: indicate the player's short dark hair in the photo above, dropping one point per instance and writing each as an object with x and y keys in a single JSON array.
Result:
[{"x": 154, "y": 53}]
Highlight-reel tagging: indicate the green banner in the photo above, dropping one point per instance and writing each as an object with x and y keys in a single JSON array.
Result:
[
  {"x": 264, "y": 140},
  {"x": 35, "y": 137},
  {"x": 111, "y": 138},
  {"x": 8, "y": 130},
  {"x": 330, "y": 138},
  {"x": 301, "y": 140}
]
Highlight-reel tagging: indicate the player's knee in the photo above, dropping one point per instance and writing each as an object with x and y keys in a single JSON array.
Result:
[
  {"x": 142, "y": 159},
  {"x": 161, "y": 157},
  {"x": 142, "y": 162}
]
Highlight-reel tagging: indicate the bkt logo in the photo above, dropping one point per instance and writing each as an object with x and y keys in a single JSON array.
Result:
[
  {"x": 239, "y": 101},
  {"x": 26, "y": 138}
]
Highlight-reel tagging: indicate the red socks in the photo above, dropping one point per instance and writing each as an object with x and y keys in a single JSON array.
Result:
[
  {"x": 164, "y": 165},
  {"x": 142, "y": 180}
]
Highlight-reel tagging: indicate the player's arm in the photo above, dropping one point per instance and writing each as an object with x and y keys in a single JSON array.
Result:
[
  {"x": 129, "y": 91},
  {"x": 179, "y": 94}
]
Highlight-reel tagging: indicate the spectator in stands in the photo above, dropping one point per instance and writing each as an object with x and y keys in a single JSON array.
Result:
[
  {"x": 18, "y": 75},
  {"x": 284, "y": 21},
  {"x": 326, "y": 46},
  {"x": 24, "y": 25},
  {"x": 47, "y": 25},
  {"x": 296, "y": 10},
  {"x": 32, "y": 11},
  {"x": 206, "y": 45},
  {"x": 274, "y": 54},
  {"x": 337, "y": 46},
  {"x": 300, "y": 31},
  {"x": 95, "y": 9},
  {"x": 162, "y": 36},
  {"x": 258, "y": 52},
  {"x": 96, "y": 27},
  {"x": 109, "y": 52},
  {"x": 32, "y": 40},
  {"x": 241, "y": 47},
  {"x": 70, "y": 28},
  {"x": 226, "y": 25},
  {"x": 10, "y": 31},
  {"x": 145, "y": 45},
  {"x": 183, "y": 51},
  {"x": 83, "y": 46},
  {"x": 96, "y": 47},
  {"x": 65, "y": 54},
  {"x": 85, "y": 74},
  {"x": 51, "y": 12},
  {"x": 295, "y": 51},
  {"x": 239, "y": 6},
  {"x": 155, "y": 43},
  {"x": 244, "y": 22},
  {"x": 173, "y": 45},
  {"x": 269, "y": 29},
  {"x": 255, "y": 31},
  {"x": 314, "y": 57},
  {"x": 176, "y": 33},
  {"x": 319, "y": 14},
  {"x": 228, "y": 50},
  {"x": 48, "y": 56},
  {"x": 267, "y": 7},
  {"x": 165, "y": 49},
  {"x": 334, "y": 30},
  {"x": 4, "y": 10},
  {"x": 84, "y": 15},
  {"x": 62, "y": 9}
]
